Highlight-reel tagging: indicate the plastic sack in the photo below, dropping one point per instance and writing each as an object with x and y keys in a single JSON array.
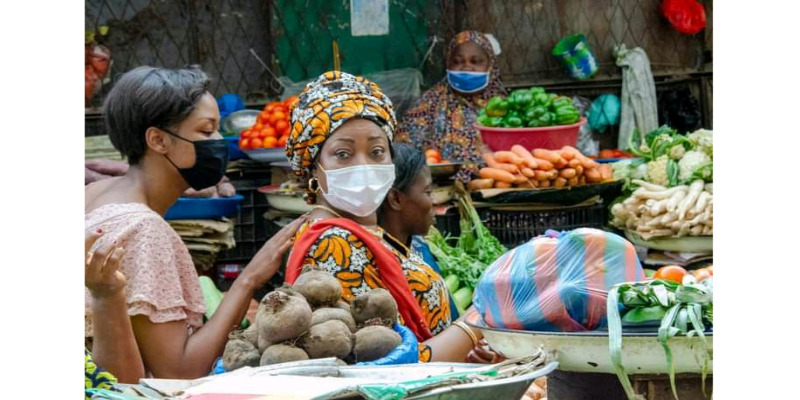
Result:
[
  {"x": 403, "y": 86},
  {"x": 406, "y": 353},
  {"x": 686, "y": 16},
  {"x": 604, "y": 112},
  {"x": 587, "y": 143},
  {"x": 557, "y": 282}
]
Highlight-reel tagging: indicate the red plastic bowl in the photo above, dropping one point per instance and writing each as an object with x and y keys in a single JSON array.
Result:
[{"x": 549, "y": 137}]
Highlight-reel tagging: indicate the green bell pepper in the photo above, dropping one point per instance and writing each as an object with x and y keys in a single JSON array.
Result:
[
  {"x": 512, "y": 119},
  {"x": 547, "y": 119},
  {"x": 520, "y": 99},
  {"x": 561, "y": 101},
  {"x": 541, "y": 99},
  {"x": 483, "y": 119},
  {"x": 494, "y": 122},
  {"x": 497, "y": 107},
  {"x": 536, "y": 90},
  {"x": 534, "y": 123},
  {"x": 566, "y": 115}
]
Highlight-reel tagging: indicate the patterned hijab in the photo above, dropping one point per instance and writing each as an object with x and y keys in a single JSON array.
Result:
[
  {"x": 327, "y": 103},
  {"x": 442, "y": 118}
]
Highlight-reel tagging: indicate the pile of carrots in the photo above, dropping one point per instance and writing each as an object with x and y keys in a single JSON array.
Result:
[{"x": 540, "y": 168}]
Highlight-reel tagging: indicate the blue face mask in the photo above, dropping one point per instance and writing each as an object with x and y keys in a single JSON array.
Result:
[{"x": 467, "y": 82}]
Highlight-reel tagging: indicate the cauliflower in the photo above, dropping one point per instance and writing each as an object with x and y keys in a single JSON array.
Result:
[
  {"x": 691, "y": 162},
  {"x": 657, "y": 171},
  {"x": 677, "y": 152},
  {"x": 703, "y": 140}
]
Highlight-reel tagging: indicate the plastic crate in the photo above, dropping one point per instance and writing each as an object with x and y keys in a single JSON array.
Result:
[
  {"x": 515, "y": 227},
  {"x": 448, "y": 223}
]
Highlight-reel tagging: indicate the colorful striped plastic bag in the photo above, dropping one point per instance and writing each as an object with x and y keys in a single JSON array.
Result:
[{"x": 556, "y": 282}]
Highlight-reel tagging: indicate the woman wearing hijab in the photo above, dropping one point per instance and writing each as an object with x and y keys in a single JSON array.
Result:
[
  {"x": 166, "y": 124},
  {"x": 340, "y": 143},
  {"x": 442, "y": 118}
]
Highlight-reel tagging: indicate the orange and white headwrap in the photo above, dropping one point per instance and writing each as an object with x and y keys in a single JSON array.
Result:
[{"x": 327, "y": 103}]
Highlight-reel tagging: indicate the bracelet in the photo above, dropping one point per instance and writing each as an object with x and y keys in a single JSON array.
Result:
[{"x": 468, "y": 331}]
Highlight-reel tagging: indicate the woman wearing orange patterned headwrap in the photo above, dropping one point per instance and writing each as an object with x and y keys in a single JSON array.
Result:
[{"x": 340, "y": 142}]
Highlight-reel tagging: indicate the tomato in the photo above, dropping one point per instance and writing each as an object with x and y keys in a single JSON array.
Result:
[
  {"x": 277, "y": 116},
  {"x": 270, "y": 106},
  {"x": 291, "y": 102},
  {"x": 282, "y": 140},
  {"x": 282, "y": 127},
  {"x": 270, "y": 142},
  {"x": 431, "y": 160},
  {"x": 701, "y": 274},
  {"x": 244, "y": 143},
  {"x": 431, "y": 153},
  {"x": 606, "y": 154},
  {"x": 673, "y": 273},
  {"x": 282, "y": 108},
  {"x": 258, "y": 127},
  {"x": 256, "y": 143},
  {"x": 270, "y": 132},
  {"x": 246, "y": 133}
]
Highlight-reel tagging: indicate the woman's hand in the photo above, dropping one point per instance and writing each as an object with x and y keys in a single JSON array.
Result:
[
  {"x": 482, "y": 354},
  {"x": 269, "y": 258},
  {"x": 102, "y": 276}
]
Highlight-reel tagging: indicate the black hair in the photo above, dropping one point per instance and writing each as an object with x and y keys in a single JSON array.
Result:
[
  {"x": 408, "y": 163},
  {"x": 148, "y": 97}
]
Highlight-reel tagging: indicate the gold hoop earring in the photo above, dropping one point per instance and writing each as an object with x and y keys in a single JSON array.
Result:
[{"x": 313, "y": 184}]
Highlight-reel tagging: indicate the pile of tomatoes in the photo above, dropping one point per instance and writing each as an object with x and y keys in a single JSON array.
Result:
[
  {"x": 676, "y": 273},
  {"x": 433, "y": 157},
  {"x": 272, "y": 127}
]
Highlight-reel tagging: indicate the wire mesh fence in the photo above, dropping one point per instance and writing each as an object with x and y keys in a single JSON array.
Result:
[{"x": 295, "y": 38}]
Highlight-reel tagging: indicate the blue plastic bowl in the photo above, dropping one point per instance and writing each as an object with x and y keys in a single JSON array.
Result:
[{"x": 204, "y": 208}]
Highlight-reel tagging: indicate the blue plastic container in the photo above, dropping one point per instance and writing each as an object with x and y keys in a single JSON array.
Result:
[
  {"x": 204, "y": 208},
  {"x": 233, "y": 148}
]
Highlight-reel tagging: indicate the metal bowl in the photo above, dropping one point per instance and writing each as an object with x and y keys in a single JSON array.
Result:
[
  {"x": 267, "y": 155},
  {"x": 588, "y": 351},
  {"x": 444, "y": 169},
  {"x": 238, "y": 121}
]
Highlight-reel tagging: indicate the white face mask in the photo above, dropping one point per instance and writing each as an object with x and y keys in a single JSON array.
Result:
[{"x": 358, "y": 190}]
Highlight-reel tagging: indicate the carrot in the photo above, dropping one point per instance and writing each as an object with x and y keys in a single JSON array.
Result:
[
  {"x": 559, "y": 183},
  {"x": 570, "y": 152},
  {"x": 574, "y": 163},
  {"x": 582, "y": 180},
  {"x": 527, "y": 172},
  {"x": 552, "y": 175},
  {"x": 593, "y": 175},
  {"x": 535, "y": 183},
  {"x": 480, "y": 184},
  {"x": 544, "y": 184},
  {"x": 527, "y": 184},
  {"x": 489, "y": 159},
  {"x": 540, "y": 175},
  {"x": 520, "y": 179},
  {"x": 579, "y": 170},
  {"x": 508, "y": 167},
  {"x": 572, "y": 181},
  {"x": 502, "y": 185},
  {"x": 606, "y": 172},
  {"x": 561, "y": 163},
  {"x": 526, "y": 156},
  {"x": 496, "y": 174},
  {"x": 548, "y": 155},
  {"x": 507, "y": 157},
  {"x": 543, "y": 164},
  {"x": 587, "y": 162},
  {"x": 567, "y": 173}
]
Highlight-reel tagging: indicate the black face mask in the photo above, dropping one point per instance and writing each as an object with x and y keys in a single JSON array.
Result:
[{"x": 211, "y": 160}]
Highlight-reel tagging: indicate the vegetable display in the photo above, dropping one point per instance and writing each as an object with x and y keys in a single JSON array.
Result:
[
  {"x": 671, "y": 159},
  {"x": 474, "y": 250},
  {"x": 309, "y": 320},
  {"x": 529, "y": 108},
  {"x": 540, "y": 168},
  {"x": 678, "y": 308},
  {"x": 655, "y": 211},
  {"x": 271, "y": 128}
]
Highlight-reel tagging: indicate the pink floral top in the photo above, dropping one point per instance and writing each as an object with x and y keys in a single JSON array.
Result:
[{"x": 161, "y": 279}]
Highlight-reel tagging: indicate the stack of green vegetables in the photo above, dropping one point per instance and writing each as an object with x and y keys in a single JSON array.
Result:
[
  {"x": 668, "y": 158},
  {"x": 678, "y": 309},
  {"x": 463, "y": 264},
  {"x": 528, "y": 108}
]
